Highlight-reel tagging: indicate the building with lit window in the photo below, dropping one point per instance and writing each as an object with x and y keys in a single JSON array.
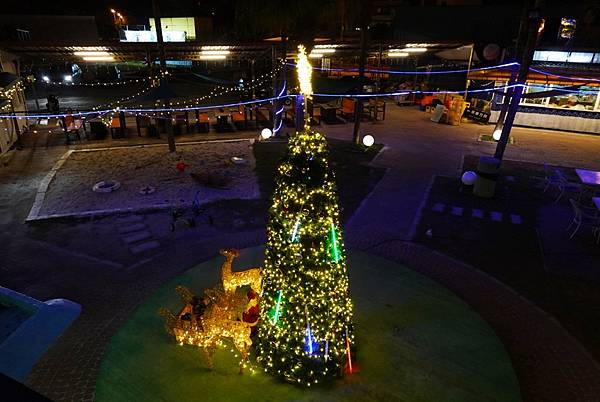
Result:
[{"x": 12, "y": 98}]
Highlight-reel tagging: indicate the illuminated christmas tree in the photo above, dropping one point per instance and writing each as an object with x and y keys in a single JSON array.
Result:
[{"x": 305, "y": 335}]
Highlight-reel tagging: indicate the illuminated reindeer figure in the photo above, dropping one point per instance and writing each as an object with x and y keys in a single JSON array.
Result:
[
  {"x": 232, "y": 280},
  {"x": 207, "y": 326}
]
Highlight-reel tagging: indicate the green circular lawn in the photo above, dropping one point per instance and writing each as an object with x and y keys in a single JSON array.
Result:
[{"x": 416, "y": 342}]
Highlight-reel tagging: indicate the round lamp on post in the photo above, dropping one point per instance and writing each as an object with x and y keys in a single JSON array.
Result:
[
  {"x": 266, "y": 133},
  {"x": 368, "y": 140}
]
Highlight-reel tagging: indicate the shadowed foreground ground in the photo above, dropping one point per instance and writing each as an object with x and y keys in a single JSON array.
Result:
[{"x": 416, "y": 342}]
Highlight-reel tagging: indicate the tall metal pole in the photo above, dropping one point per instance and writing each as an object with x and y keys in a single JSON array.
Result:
[
  {"x": 358, "y": 106},
  {"x": 532, "y": 36},
  {"x": 469, "y": 70},
  {"x": 163, "y": 70},
  {"x": 159, "y": 37},
  {"x": 521, "y": 38}
]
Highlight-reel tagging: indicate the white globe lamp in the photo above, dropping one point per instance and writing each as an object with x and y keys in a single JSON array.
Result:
[
  {"x": 497, "y": 134},
  {"x": 468, "y": 178},
  {"x": 266, "y": 133},
  {"x": 368, "y": 140}
]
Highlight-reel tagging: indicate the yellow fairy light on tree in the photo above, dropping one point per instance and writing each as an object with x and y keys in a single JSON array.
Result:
[{"x": 305, "y": 332}]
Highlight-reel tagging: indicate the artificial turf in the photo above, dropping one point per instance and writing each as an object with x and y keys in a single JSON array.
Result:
[{"x": 416, "y": 342}]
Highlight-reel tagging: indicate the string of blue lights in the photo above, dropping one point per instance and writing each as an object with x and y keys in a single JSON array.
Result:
[
  {"x": 369, "y": 70},
  {"x": 566, "y": 77},
  {"x": 280, "y": 96}
]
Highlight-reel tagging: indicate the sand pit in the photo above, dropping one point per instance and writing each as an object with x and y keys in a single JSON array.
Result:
[{"x": 138, "y": 168}]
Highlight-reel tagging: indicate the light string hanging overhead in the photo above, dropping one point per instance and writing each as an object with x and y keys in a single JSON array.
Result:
[
  {"x": 416, "y": 72},
  {"x": 95, "y": 84},
  {"x": 148, "y": 110},
  {"x": 213, "y": 94},
  {"x": 253, "y": 84},
  {"x": 566, "y": 77}
]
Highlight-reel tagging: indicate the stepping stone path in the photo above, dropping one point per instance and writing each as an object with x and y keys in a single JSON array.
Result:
[
  {"x": 136, "y": 234},
  {"x": 477, "y": 213},
  {"x": 495, "y": 216},
  {"x": 457, "y": 211}
]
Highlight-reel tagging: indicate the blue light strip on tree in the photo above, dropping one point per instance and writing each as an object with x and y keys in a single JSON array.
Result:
[{"x": 295, "y": 231}]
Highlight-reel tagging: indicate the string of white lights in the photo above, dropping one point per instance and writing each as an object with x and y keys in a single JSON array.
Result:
[{"x": 95, "y": 84}]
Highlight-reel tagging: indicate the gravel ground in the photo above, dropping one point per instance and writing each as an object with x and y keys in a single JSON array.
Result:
[{"x": 135, "y": 168}]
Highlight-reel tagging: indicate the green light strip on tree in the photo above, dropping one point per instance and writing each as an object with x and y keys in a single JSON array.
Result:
[
  {"x": 336, "y": 254},
  {"x": 276, "y": 316}
]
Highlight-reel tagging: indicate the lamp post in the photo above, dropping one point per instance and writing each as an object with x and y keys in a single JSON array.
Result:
[{"x": 163, "y": 69}]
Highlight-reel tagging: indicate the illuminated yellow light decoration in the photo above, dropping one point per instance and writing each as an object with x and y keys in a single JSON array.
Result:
[
  {"x": 306, "y": 336},
  {"x": 304, "y": 72},
  {"x": 232, "y": 280},
  {"x": 206, "y": 322}
]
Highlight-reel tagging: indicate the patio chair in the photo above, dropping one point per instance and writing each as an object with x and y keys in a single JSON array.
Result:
[
  {"x": 565, "y": 185},
  {"x": 584, "y": 216},
  {"x": 202, "y": 122},
  {"x": 240, "y": 119},
  {"x": 347, "y": 109}
]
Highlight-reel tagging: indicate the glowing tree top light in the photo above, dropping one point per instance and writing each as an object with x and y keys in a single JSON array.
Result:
[{"x": 305, "y": 335}]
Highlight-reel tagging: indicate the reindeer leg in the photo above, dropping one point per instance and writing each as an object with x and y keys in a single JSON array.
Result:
[{"x": 209, "y": 350}]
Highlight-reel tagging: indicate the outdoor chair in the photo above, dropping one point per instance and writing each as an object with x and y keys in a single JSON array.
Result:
[
  {"x": 584, "y": 216},
  {"x": 564, "y": 185},
  {"x": 550, "y": 178},
  {"x": 181, "y": 121},
  {"x": 117, "y": 128},
  {"x": 203, "y": 123},
  {"x": 316, "y": 115},
  {"x": 240, "y": 121},
  {"x": 347, "y": 109},
  {"x": 376, "y": 107},
  {"x": 98, "y": 130}
]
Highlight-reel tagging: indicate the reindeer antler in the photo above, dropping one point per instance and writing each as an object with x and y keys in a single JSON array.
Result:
[{"x": 186, "y": 295}]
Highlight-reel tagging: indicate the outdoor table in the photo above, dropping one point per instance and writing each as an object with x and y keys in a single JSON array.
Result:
[
  {"x": 223, "y": 123},
  {"x": 328, "y": 114},
  {"x": 588, "y": 177},
  {"x": 181, "y": 120},
  {"x": 222, "y": 119}
]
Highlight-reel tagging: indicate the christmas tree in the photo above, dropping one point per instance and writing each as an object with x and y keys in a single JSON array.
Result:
[{"x": 305, "y": 335}]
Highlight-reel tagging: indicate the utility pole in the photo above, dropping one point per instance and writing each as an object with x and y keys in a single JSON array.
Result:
[
  {"x": 163, "y": 70},
  {"x": 534, "y": 28}
]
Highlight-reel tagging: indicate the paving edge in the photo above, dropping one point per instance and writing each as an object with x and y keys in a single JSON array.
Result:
[{"x": 40, "y": 196}]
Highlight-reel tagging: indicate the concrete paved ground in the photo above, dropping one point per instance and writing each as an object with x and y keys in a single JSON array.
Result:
[{"x": 550, "y": 364}]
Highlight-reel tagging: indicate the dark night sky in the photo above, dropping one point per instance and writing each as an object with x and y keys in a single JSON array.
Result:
[
  {"x": 128, "y": 7},
  {"x": 132, "y": 7}
]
